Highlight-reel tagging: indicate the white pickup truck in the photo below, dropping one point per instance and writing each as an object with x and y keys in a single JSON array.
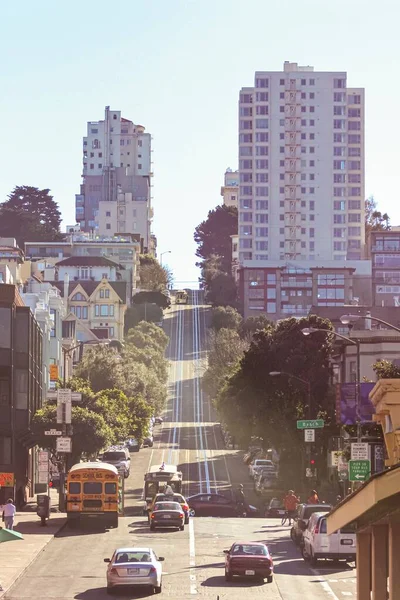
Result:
[{"x": 260, "y": 464}]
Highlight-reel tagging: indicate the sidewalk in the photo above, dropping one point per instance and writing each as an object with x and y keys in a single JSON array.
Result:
[{"x": 17, "y": 556}]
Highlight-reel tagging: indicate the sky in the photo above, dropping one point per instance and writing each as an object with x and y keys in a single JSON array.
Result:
[{"x": 176, "y": 67}]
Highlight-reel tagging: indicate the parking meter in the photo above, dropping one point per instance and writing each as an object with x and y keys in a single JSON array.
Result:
[{"x": 43, "y": 507}]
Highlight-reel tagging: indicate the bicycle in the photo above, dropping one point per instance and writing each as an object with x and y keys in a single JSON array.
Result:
[{"x": 286, "y": 517}]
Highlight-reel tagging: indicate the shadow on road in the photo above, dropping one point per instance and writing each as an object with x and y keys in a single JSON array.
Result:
[
  {"x": 100, "y": 593},
  {"x": 218, "y": 581}
]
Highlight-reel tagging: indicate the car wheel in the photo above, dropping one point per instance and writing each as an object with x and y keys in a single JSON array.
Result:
[
  {"x": 110, "y": 591},
  {"x": 304, "y": 554},
  {"x": 158, "y": 588},
  {"x": 270, "y": 578},
  {"x": 187, "y": 521},
  {"x": 152, "y": 527},
  {"x": 293, "y": 536},
  {"x": 228, "y": 576},
  {"x": 182, "y": 527},
  {"x": 313, "y": 560}
]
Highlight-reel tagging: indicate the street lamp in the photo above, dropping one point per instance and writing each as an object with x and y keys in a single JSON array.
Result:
[
  {"x": 356, "y": 343},
  {"x": 304, "y": 381},
  {"x": 349, "y": 319},
  {"x": 161, "y": 255}
]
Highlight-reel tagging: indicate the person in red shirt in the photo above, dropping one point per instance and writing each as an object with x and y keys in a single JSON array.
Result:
[
  {"x": 313, "y": 499},
  {"x": 290, "y": 502}
]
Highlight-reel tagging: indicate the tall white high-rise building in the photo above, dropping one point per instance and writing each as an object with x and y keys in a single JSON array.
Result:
[
  {"x": 115, "y": 195},
  {"x": 301, "y": 167}
]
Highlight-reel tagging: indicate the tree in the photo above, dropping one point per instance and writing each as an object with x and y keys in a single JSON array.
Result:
[
  {"x": 226, "y": 348},
  {"x": 30, "y": 214},
  {"x": 385, "y": 369},
  {"x": 221, "y": 290},
  {"x": 141, "y": 312},
  {"x": 225, "y": 318},
  {"x": 249, "y": 326},
  {"x": 153, "y": 297},
  {"x": 374, "y": 219},
  {"x": 91, "y": 431},
  {"x": 102, "y": 368},
  {"x": 147, "y": 333},
  {"x": 213, "y": 235},
  {"x": 252, "y": 402},
  {"x": 153, "y": 277}
]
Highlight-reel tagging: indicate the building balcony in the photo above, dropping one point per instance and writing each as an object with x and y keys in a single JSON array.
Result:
[{"x": 296, "y": 284}]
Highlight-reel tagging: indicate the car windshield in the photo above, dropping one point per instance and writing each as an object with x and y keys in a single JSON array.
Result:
[
  {"x": 133, "y": 556},
  {"x": 249, "y": 549},
  {"x": 275, "y": 503},
  {"x": 167, "y": 506},
  {"x": 113, "y": 456},
  {"x": 263, "y": 463}
]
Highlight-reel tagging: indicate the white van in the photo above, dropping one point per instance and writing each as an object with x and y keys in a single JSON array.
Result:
[{"x": 340, "y": 545}]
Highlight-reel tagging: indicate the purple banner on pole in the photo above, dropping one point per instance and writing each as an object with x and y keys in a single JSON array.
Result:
[{"x": 348, "y": 407}]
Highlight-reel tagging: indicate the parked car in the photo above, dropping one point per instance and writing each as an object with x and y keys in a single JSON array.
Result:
[
  {"x": 119, "y": 457},
  {"x": 317, "y": 544},
  {"x": 264, "y": 482},
  {"x": 136, "y": 567},
  {"x": 275, "y": 509},
  {"x": 148, "y": 440},
  {"x": 260, "y": 464},
  {"x": 133, "y": 445},
  {"x": 249, "y": 559},
  {"x": 304, "y": 512},
  {"x": 167, "y": 514},
  {"x": 217, "y": 505}
]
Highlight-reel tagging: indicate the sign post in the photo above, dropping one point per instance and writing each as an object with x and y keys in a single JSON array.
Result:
[{"x": 359, "y": 470}]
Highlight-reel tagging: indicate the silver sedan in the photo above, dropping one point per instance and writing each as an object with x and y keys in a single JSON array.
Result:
[{"x": 135, "y": 567}]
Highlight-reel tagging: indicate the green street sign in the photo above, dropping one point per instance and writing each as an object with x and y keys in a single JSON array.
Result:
[
  {"x": 359, "y": 470},
  {"x": 311, "y": 424}
]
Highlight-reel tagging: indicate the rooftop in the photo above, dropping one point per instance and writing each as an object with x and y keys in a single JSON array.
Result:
[{"x": 88, "y": 261}]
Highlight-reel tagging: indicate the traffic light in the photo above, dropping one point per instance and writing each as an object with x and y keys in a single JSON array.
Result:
[{"x": 50, "y": 484}]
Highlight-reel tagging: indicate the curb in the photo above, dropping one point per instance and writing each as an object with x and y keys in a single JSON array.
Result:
[{"x": 2, "y": 591}]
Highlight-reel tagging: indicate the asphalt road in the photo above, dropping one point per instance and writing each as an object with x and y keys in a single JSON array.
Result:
[{"x": 72, "y": 567}]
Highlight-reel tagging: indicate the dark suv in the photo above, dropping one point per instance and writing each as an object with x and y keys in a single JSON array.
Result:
[{"x": 304, "y": 512}]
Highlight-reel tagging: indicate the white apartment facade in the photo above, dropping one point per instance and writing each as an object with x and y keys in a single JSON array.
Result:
[
  {"x": 301, "y": 167},
  {"x": 230, "y": 189},
  {"x": 116, "y": 161}
]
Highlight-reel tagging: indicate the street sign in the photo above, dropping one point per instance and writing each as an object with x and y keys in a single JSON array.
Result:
[
  {"x": 334, "y": 458},
  {"x": 53, "y": 432},
  {"x": 43, "y": 477},
  {"x": 309, "y": 472},
  {"x": 63, "y": 444},
  {"x": 311, "y": 424},
  {"x": 309, "y": 435},
  {"x": 359, "y": 470},
  {"x": 64, "y": 414},
  {"x": 360, "y": 451},
  {"x": 53, "y": 369},
  {"x": 52, "y": 395}
]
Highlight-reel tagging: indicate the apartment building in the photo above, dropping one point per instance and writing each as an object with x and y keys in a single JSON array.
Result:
[
  {"x": 116, "y": 173},
  {"x": 301, "y": 167},
  {"x": 230, "y": 189},
  {"x": 384, "y": 250},
  {"x": 281, "y": 290}
]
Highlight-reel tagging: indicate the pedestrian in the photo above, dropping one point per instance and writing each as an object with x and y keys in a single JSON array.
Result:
[
  {"x": 9, "y": 514},
  {"x": 291, "y": 502},
  {"x": 313, "y": 498}
]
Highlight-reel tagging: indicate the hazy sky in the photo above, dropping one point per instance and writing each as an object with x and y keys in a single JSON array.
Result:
[{"x": 176, "y": 66}]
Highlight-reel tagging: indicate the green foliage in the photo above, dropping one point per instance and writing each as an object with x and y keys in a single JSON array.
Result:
[
  {"x": 91, "y": 431},
  {"x": 101, "y": 367},
  {"x": 147, "y": 334},
  {"x": 158, "y": 298},
  {"x": 252, "y": 402},
  {"x": 213, "y": 235},
  {"x": 30, "y": 214},
  {"x": 374, "y": 219},
  {"x": 221, "y": 290},
  {"x": 225, "y": 318},
  {"x": 142, "y": 312},
  {"x": 226, "y": 348},
  {"x": 249, "y": 326},
  {"x": 153, "y": 276},
  {"x": 385, "y": 369}
]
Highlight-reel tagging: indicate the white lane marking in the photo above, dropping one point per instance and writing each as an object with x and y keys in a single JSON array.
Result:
[
  {"x": 192, "y": 558},
  {"x": 325, "y": 585},
  {"x": 347, "y": 593}
]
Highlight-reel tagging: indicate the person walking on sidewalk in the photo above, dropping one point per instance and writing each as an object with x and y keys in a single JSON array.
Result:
[{"x": 9, "y": 511}]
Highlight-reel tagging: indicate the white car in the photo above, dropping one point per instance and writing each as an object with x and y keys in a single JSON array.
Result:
[
  {"x": 134, "y": 567},
  {"x": 119, "y": 457},
  {"x": 260, "y": 464},
  {"x": 317, "y": 544}
]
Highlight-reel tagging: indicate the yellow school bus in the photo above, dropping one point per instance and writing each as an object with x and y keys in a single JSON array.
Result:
[
  {"x": 94, "y": 492},
  {"x": 181, "y": 297}
]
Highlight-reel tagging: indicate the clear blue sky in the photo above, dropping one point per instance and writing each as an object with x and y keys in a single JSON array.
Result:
[{"x": 176, "y": 66}]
